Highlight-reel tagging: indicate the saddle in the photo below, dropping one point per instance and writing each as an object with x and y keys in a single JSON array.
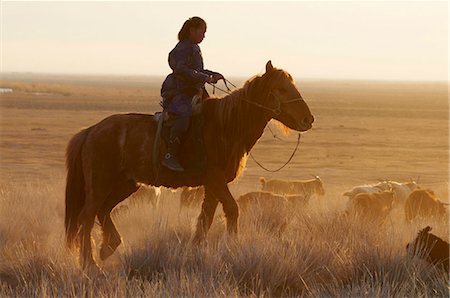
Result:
[{"x": 192, "y": 142}]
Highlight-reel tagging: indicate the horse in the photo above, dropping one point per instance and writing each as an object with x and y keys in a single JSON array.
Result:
[{"x": 107, "y": 161}]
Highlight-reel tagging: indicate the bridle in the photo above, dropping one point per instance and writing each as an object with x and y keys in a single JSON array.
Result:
[{"x": 277, "y": 111}]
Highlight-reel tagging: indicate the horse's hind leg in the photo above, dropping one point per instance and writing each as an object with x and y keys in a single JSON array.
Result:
[
  {"x": 111, "y": 237},
  {"x": 98, "y": 188},
  {"x": 87, "y": 219}
]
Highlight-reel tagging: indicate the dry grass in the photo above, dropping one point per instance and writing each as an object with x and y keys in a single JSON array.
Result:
[
  {"x": 363, "y": 131},
  {"x": 308, "y": 251}
]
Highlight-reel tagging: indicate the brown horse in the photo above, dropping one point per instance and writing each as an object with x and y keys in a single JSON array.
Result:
[{"x": 106, "y": 161}]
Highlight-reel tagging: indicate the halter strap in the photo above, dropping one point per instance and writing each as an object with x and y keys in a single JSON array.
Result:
[{"x": 276, "y": 111}]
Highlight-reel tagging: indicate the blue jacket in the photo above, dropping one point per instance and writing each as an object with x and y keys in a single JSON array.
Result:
[{"x": 188, "y": 75}]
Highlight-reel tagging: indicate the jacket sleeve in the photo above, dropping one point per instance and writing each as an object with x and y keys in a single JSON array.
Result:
[{"x": 181, "y": 66}]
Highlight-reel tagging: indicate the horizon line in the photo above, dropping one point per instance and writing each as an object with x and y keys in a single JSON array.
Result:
[{"x": 77, "y": 74}]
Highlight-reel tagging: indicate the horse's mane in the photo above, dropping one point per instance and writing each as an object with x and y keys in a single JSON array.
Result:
[
  {"x": 234, "y": 117},
  {"x": 228, "y": 110}
]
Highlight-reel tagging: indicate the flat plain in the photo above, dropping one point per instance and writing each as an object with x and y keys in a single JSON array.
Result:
[{"x": 363, "y": 132}]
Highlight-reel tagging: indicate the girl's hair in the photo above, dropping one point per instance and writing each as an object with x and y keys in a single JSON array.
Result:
[{"x": 194, "y": 22}]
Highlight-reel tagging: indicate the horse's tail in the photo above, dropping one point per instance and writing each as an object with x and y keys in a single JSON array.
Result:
[{"x": 75, "y": 194}]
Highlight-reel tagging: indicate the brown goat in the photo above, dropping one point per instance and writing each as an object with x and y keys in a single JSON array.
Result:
[
  {"x": 431, "y": 248},
  {"x": 373, "y": 205},
  {"x": 262, "y": 198},
  {"x": 306, "y": 188},
  {"x": 424, "y": 203}
]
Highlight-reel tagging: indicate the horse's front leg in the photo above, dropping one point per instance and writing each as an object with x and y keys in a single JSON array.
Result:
[
  {"x": 231, "y": 209},
  {"x": 206, "y": 216},
  {"x": 219, "y": 189}
]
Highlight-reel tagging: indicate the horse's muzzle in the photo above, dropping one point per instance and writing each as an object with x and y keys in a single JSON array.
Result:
[{"x": 306, "y": 123}]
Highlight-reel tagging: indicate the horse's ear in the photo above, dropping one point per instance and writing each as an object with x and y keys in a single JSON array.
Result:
[{"x": 269, "y": 66}]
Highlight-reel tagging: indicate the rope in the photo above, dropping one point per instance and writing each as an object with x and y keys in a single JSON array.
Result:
[
  {"x": 273, "y": 134},
  {"x": 226, "y": 81},
  {"x": 285, "y": 164},
  {"x": 220, "y": 89}
]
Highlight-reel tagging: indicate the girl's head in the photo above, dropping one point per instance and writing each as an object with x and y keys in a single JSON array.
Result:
[{"x": 194, "y": 29}]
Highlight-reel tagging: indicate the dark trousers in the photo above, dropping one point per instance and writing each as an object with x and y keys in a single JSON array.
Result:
[{"x": 179, "y": 127}]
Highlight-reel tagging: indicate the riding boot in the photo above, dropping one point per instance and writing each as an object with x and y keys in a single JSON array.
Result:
[{"x": 170, "y": 160}]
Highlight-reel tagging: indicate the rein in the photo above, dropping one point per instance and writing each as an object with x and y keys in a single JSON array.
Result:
[
  {"x": 276, "y": 111},
  {"x": 285, "y": 164}
]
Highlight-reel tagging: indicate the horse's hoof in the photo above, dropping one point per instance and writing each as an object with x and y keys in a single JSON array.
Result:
[
  {"x": 106, "y": 251},
  {"x": 199, "y": 241},
  {"x": 93, "y": 272},
  {"x": 232, "y": 231},
  {"x": 231, "y": 237}
]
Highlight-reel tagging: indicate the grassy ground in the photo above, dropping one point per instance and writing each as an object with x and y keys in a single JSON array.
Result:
[
  {"x": 363, "y": 132},
  {"x": 303, "y": 251}
]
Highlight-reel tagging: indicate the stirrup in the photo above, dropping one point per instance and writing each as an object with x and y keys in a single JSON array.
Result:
[{"x": 171, "y": 163}]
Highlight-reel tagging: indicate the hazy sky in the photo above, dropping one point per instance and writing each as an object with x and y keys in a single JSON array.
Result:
[{"x": 338, "y": 40}]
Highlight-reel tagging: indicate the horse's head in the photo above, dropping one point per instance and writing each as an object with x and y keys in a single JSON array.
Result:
[{"x": 285, "y": 101}]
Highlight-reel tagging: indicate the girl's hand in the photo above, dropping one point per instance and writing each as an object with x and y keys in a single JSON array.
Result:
[
  {"x": 217, "y": 77},
  {"x": 212, "y": 79}
]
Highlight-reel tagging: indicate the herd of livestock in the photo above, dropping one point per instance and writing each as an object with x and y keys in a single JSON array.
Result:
[
  {"x": 371, "y": 201},
  {"x": 374, "y": 202}
]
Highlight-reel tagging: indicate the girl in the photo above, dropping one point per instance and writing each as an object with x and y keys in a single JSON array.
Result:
[{"x": 187, "y": 80}]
